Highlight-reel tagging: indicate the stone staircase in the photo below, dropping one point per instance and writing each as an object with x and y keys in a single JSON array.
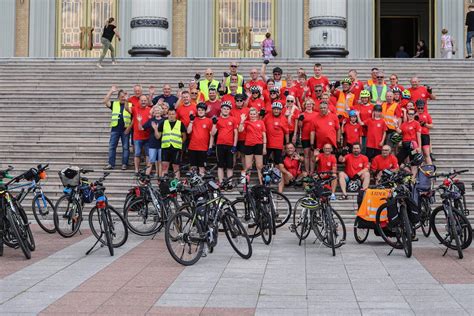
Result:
[{"x": 51, "y": 110}]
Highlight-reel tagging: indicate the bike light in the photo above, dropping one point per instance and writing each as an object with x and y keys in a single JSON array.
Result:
[
  {"x": 42, "y": 175},
  {"x": 446, "y": 182},
  {"x": 101, "y": 202}
]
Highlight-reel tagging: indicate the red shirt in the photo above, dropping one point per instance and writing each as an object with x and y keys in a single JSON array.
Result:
[
  {"x": 307, "y": 124},
  {"x": 425, "y": 117},
  {"x": 214, "y": 108},
  {"x": 277, "y": 128},
  {"x": 134, "y": 100},
  {"x": 356, "y": 88},
  {"x": 145, "y": 116},
  {"x": 313, "y": 81},
  {"x": 353, "y": 132},
  {"x": 230, "y": 98},
  {"x": 182, "y": 113},
  {"x": 326, "y": 128},
  {"x": 418, "y": 93},
  {"x": 254, "y": 132},
  {"x": 380, "y": 163},
  {"x": 292, "y": 119},
  {"x": 355, "y": 164},
  {"x": 225, "y": 130},
  {"x": 326, "y": 163},
  {"x": 201, "y": 134},
  {"x": 375, "y": 131},
  {"x": 236, "y": 113},
  {"x": 258, "y": 104},
  {"x": 365, "y": 113},
  {"x": 258, "y": 83},
  {"x": 292, "y": 165},
  {"x": 409, "y": 130}
]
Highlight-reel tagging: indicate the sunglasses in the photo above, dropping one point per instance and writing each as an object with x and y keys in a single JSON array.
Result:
[
  {"x": 379, "y": 77},
  {"x": 209, "y": 73},
  {"x": 319, "y": 90},
  {"x": 239, "y": 100},
  {"x": 233, "y": 66},
  {"x": 411, "y": 114},
  {"x": 393, "y": 78},
  {"x": 193, "y": 93},
  {"x": 289, "y": 101},
  {"x": 273, "y": 92},
  {"x": 277, "y": 74}
]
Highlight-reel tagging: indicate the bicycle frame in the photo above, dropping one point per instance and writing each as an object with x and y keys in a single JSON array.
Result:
[{"x": 32, "y": 186}]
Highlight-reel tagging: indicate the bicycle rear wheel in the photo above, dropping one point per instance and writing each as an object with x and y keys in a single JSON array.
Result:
[
  {"x": 301, "y": 222},
  {"x": 282, "y": 207},
  {"x": 464, "y": 228},
  {"x": 43, "y": 211},
  {"x": 25, "y": 226},
  {"x": 389, "y": 235},
  {"x": 17, "y": 230},
  {"x": 265, "y": 224},
  {"x": 142, "y": 217},
  {"x": 360, "y": 233},
  {"x": 246, "y": 216},
  {"x": 406, "y": 232},
  {"x": 236, "y": 235},
  {"x": 320, "y": 227},
  {"x": 106, "y": 229},
  {"x": 67, "y": 216},
  {"x": 425, "y": 214},
  {"x": 118, "y": 228}
]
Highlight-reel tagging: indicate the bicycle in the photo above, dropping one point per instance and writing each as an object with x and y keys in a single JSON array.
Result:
[
  {"x": 425, "y": 196},
  {"x": 41, "y": 206},
  {"x": 458, "y": 230},
  {"x": 147, "y": 214},
  {"x": 15, "y": 229},
  {"x": 197, "y": 226},
  {"x": 77, "y": 191},
  {"x": 280, "y": 204},
  {"x": 318, "y": 215},
  {"x": 111, "y": 230}
]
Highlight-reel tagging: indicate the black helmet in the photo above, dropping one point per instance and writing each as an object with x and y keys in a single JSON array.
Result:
[
  {"x": 255, "y": 89},
  {"x": 417, "y": 159},
  {"x": 275, "y": 89},
  {"x": 277, "y": 70},
  {"x": 420, "y": 103},
  {"x": 377, "y": 108},
  {"x": 201, "y": 105}
]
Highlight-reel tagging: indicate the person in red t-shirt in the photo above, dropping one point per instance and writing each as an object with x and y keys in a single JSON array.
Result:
[
  {"x": 274, "y": 97},
  {"x": 376, "y": 133},
  {"x": 364, "y": 109},
  {"x": 326, "y": 128},
  {"x": 276, "y": 126},
  {"x": 306, "y": 127},
  {"x": 213, "y": 104},
  {"x": 357, "y": 86},
  {"x": 199, "y": 130},
  {"x": 186, "y": 108},
  {"x": 394, "y": 83},
  {"x": 291, "y": 113},
  {"x": 231, "y": 95},
  {"x": 255, "y": 141},
  {"x": 254, "y": 81},
  {"x": 317, "y": 79},
  {"x": 352, "y": 130},
  {"x": 255, "y": 100},
  {"x": 383, "y": 161},
  {"x": 326, "y": 162},
  {"x": 426, "y": 123},
  {"x": 411, "y": 137},
  {"x": 420, "y": 92},
  {"x": 137, "y": 93},
  {"x": 316, "y": 96},
  {"x": 226, "y": 143},
  {"x": 291, "y": 170},
  {"x": 356, "y": 166}
]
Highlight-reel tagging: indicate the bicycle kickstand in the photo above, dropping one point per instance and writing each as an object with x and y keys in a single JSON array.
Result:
[
  {"x": 96, "y": 242},
  {"x": 391, "y": 251},
  {"x": 445, "y": 252}
]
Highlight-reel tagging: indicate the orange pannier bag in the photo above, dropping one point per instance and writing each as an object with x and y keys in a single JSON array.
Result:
[{"x": 373, "y": 198}]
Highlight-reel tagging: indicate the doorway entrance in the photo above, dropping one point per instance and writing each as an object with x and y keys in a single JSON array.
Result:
[
  {"x": 241, "y": 27},
  {"x": 396, "y": 32},
  {"x": 80, "y": 26}
]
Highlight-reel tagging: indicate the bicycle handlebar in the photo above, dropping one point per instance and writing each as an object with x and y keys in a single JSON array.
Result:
[{"x": 449, "y": 174}]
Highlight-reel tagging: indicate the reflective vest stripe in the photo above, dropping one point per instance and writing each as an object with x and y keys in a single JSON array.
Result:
[
  {"x": 375, "y": 95},
  {"x": 389, "y": 115},
  {"x": 343, "y": 102},
  {"x": 171, "y": 137},
  {"x": 127, "y": 117},
  {"x": 204, "y": 87}
]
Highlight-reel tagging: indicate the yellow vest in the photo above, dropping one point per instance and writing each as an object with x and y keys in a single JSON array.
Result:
[
  {"x": 127, "y": 118},
  {"x": 240, "y": 81},
  {"x": 389, "y": 114},
  {"x": 171, "y": 137},
  {"x": 204, "y": 87},
  {"x": 375, "y": 95},
  {"x": 344, "y": 101}
]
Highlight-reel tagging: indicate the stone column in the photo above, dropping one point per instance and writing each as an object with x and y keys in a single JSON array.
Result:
[
  {"x": 149, "y": 28},
  {"x": 327, "y": 28}
]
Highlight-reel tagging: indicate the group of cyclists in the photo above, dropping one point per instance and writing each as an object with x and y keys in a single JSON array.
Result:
[{"x": 302, "y": 124}]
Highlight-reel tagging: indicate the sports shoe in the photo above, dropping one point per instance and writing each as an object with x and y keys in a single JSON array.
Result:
[
  {"x": 99, "y": 66},
  {"x": 468, "y": 56},
  {"x": 333, "y": 197},
  {"x": 108, "y": 167},
  {"x": 124, "y": 167}
]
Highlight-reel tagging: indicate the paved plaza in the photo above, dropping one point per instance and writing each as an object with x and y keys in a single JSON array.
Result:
[{"x": 280, "y": 279}]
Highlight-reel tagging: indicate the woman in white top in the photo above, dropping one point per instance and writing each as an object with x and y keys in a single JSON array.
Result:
[{"x": 447, "y": 45}]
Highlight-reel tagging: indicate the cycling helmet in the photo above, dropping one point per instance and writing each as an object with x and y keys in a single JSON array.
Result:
[
  {"x": 255, "y": 89},
  {"x": 396, "y": 138},
  {"x": 275, "y": 89},
  {"x": 309, "y": 203},
  {"x": 239, "y": 96},
  {"x": 277, "y": 105},
  {"x": 365, "y": 94},
  {"x": 354, "y": 185},
  {"x": 417, "y": 159},
  {"x": 420, "y": 103},
  {"x": 227, "y": 104},
  {"x": 406, "y": 94},
  {"x": 346, "y": 80},
  {"x": 377, "y": 108},
  {"x": 396, "y": 90},
  {"x": 352, "y": 113},
  {"x": 201, "y": 105},
  {"x": 277, "y": 70}
]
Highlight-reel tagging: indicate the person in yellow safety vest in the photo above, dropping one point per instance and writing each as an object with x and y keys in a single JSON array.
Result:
[
  {"x": 235, "y": 79},
  {"x": 120, "y": 122},
  {"x": 379, "y": 90},
  {"x": 232, "y": 76},
  {"x": 173, "y": 135},
  {"x": 345, "y": 98},
  {"x": 392, "y": 115},
  {"x": 208, "y": 82}
]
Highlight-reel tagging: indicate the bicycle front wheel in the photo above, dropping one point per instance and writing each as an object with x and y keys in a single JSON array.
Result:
[
  {"x": 106, "y": 230},
  {"x": 118, "y": 228},
  {"x": 321, "y": 229},
  {"x": 25, "y": 226},
  {"x": 425, "y": 207},
  {"x": 265, "y": 224},
  {"x": 464, "y": 228},
  {"x": 406, "y": 232},
  {"x": 246, "y": 216},
  {"x": 67, "y": 216},
  {"x": 43, "y": 210},
  {"x": 237, "y": 235},
  {"x": 282, "y": 207},
  {"x": 18, "y": 232},
  {"x": 301, "y": 222},
  {"x": 142, "y": 217}
]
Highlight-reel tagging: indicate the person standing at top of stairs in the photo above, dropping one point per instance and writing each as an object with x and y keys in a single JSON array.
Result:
[{"x": 110, "y": 29}]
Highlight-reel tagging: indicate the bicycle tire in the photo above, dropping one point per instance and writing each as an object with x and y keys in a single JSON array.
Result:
[
  {"x": 425, "y": 215},
  {"x": 283, "y": 208},
  {"x": 14, "y": 220},
  {"x": 466, "y": 228},
  {"x": 331, "y": 231},
  {"x": 177, "y": 229},
  {"x": 234, "y": 228},
  {"x": 41, "y": 216},
  {"x": 321, "y": 234},
  {"x": 406, "y": 232},
  {"x": 360, "y": 234},
  {"x": 117, "y": 223},
  {"x": 453, "y": 227},
  {"x": 25, "y": 225},
  {"x": 265, "y": 226},
  {"x": 246, "y": 216},
  {"x": 106, "y": 229},
  {"x": 74, "y": 223},
  {"x": 143, "y": 210},
  {"x": 2, "y": 231},
  {"x": 301, "y": 233},
  {"x": 383, "y": 231}
]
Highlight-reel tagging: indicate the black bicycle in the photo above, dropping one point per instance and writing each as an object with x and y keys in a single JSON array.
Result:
[
  {"x": 457, "y": 231},
  {"x": 106, "y": 224}
]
